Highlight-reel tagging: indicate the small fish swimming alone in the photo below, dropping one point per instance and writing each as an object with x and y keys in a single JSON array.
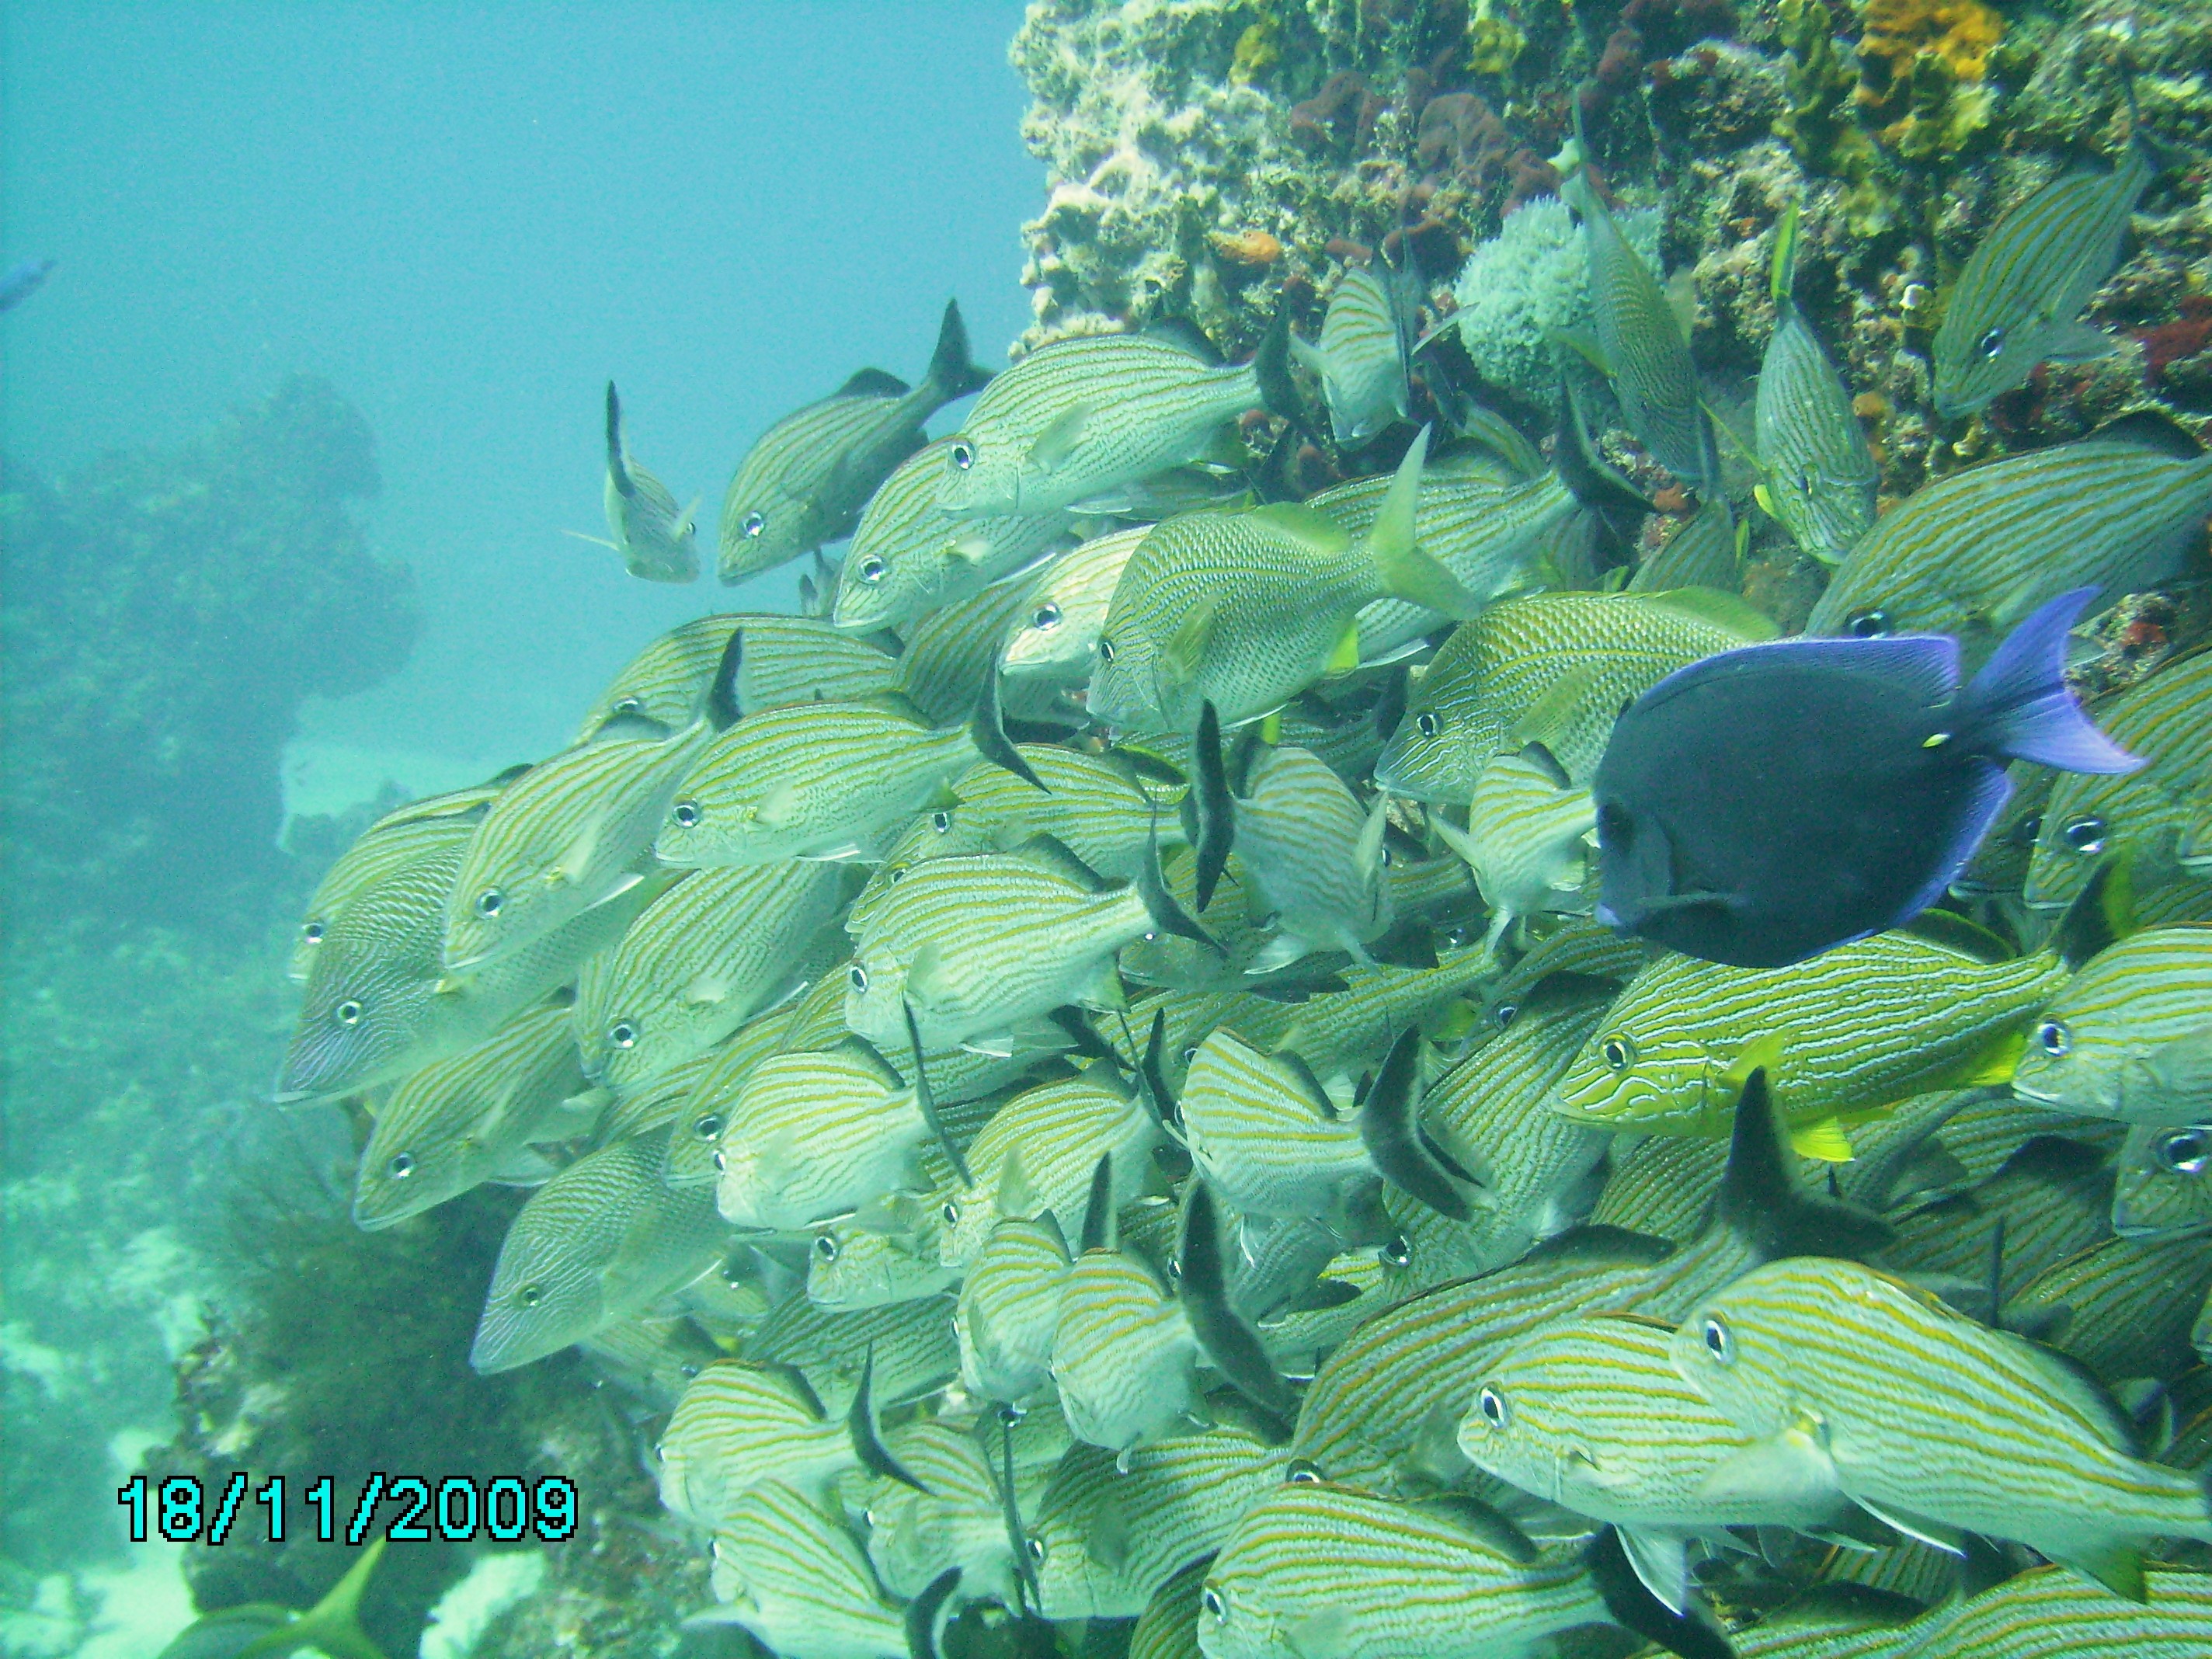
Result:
[
  {"x": 1361, "y": 359},
  {"x": 656, "y": 540},
  {"x": 1769, "y": 803},
  {"x": 806, "y": 479},
  {"x": 1819, "y": 476}
]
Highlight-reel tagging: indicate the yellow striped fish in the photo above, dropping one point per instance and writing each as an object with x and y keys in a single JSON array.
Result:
[
  {"x": 1707, "y": 551},
  {"x": 793, "y": 1575},
  {"x": 1314, "y": 872},
  {"x": 738, "y": 1426},
  {"x": 1082, "y": 417},
  {"x": 804, "y": 480},
  {"x": 1108, "y": 1534},
  {"x": 701, "y": 960},
  {"x": 1857, "y": 1029},
  {"x": 1360, "y": 360},
  {"x": 976, "y": 947},
  {"x": 1320, "y": 1568},
  {"x": 2018, "y": 301},
  {"x": 1199, "y": 614},
  {"x": 1051, "y": 646},
  {"x": 1009, "y": 1308},
  {"x": 1974, "y": 553},
  {"x": 2123, "y": 1307},
  {"x": 569, "y": 834},
  {"x": 950, "y": 652},
  {"x": 652, "y": 1360},
  {"x": 471, "y": 1119},
  {"x": 784, "y": 660},
  {"x": 596, "y": 1245},
  {"x": 1837, "y": 1622},
  {"x": 1553, "y": 668},
  {"x": 1818, "y": 476},
  {"x": 2050, "y": 1199},
  {"x": 1385, "y": 1408},
  {"x": 911, "y": 1343},
  {"x": 2130, "y": 1036},
  {"x": 705, "y": 1113},
  {"x": 653, "y": 1104},
  {"x": 1528, "y": 838},
  {"x": 1266, "y": 1135},
  {"x": 1037, "y": 1153},
  {"x": 889, "y": 1254},
  {"x": 908, "y": 558},
  {"x": 819, "y": 781},
  {"x": 2165, "y": 1184},
  {"x": 1123, "y": 1355},
  {"x": 2047, "y": 1612},
  {"x": 813, "y": 1135},
  {"x": 1990, "y": 1434},
  {"x": 393, "y": 842},
  {"x": 956, "y": 1520},
  {"x": 656, "y": 540},
  {"x": 2139, "y": 817},
  {"x": 1168, "y": 1627}
]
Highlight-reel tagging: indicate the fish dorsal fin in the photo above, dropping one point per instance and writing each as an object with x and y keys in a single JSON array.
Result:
[
  {"x": 1050, "y": 852},
  {"x": 1710, "y": 605},
  {"x": 1016, "y": 1196},
  {"x": 1058, "y": 440},
  {"x": 858, "y": 1047},
  {"x": 1183, "y": 335},
  {"x": 1955, "y": 932},
  {"x": 1314, "y": 532},
  {"x": 1759, "y": 1200},
  {"x": 872, "y": 383},
  {"x": 2150, "y": 430}
]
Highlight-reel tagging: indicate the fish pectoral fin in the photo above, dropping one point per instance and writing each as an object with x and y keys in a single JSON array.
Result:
[
  {"x": 706, "y": 989},
  {"x": 921, "y": 974},
  {"x": 1104, "y": 990},
  {"x": 1344, "y": 655},
  {"x": 971, "y": 549},
  {"x": 1318, "y": 1635},
  {"x": 1186, "y": 647},
  {"x": 1584, "y": 345},
  {"x": 523, "y": 1167},
  {"x": 1107, "y": 1540},
  {"x": 2078, "y": 343},
  {"x": 2118, "y": 1566},
  {"x": 773, "y": 808},
  {"x": 1934, "y": 1534},
  {"x": 1824, "y": 1140},
  {"x": 1662, "y": 1560},
  {"x": 1994, "y": 1065},
  {"x": 1551, "y": 718},
  {"x": 1271, "y": 727},
  {"x": 575, "y": 859},
  {"x": 1058, "y": 440},
  {"x": 992, "y": 1045},
  {"x": 1791, "y": 1466}
]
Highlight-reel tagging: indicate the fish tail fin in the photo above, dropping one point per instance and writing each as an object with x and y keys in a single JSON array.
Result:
[
  {"x": 724, "y": 710},
  {"x": 333, "y": 1626},
  {"x": 1271, "y": 368},
  {"x": 1390, "y": 1129},
  {"x": 2019, "y": 705},
  {"x": 1403, "y": 570},
  {"x": 1160, "y": 905},
  {"x": 922, "y": 1612},
  {"x": 1228, "y": 1340},
  {"x": 1212, "y": 809},
  {"x": 1784, "y": 276},
  {"x": 867, "y": 1444},
  {"x": 617, "y": 469},
  {"x": 987, "y": 730},
  {"x": 1761, "y": 1201},
  {"x": 1632, "y": 1606},
  {"x": 952, "y": 372}
]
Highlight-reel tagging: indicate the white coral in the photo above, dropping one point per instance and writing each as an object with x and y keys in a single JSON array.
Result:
[{"x": 1527, "y": 284}]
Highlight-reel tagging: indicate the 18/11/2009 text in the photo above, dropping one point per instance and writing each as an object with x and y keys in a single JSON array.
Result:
[{"x": 504, "y": 1509}]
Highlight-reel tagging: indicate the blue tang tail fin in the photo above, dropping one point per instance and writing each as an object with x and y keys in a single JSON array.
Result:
[{"x": 2018, "y": 705}]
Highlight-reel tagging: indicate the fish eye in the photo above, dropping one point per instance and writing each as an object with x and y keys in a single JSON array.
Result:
[
  {"x": 1867, "y": 624},
  {"x": 1105, "y": 649},
  {"x": 1037, "y": 1549},
  {"x": 1504, "y": 1013},
  {"x": 962, "y": 456},
  {"x": 2186, "y": 1152},
  {"x": 940, "y": 821},
  {"x": 530, "y": 1295},
  {"x": 1715, "y": 1336},
  {"x": 1990, "y": 345},
  {"x": 312, "y": 933},
  {"x": 826, "y": 1248},
  {"x": 1189, "y": 1055},
  {"x": 857, "y": 976},
  {"x": 753, "y": 524},
  {"x": 951, "y": 1213},
  {"x": 1396, "y": 1251},
  {"x": 489, "y": 901},
  {"x": 1426, "y": 723},
  {"x": 2084, "y": 835},
  {"x": 870, "y": 569},
  {"x": 1618, "y": 1052},
  {"x": 622, "y": 1034},
  {"x": 401, "y": 1166},
  {"x": 1303, "y": 1471},
  {"x": 1216, "y": 1605},
  {"x": 348, "y": 1013},
  {"x": 1493, "y": 1407},
  {"x": 1047, "y": 617},
  {"x": 2053, "y": 1038},
  {"x": 685, "y": 814},
  {"x": 706, "y": 1125},
  {"x": 2028, "y": 831}
]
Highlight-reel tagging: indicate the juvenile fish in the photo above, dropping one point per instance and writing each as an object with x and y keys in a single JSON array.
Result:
[
  {"x": 472, "y": 1118},
  {"x": 1853, "y": 1383},
  {"x": 596, "y": 1245},
  {"x": 908, "y": 558},
  {"x": 1200, "y": 614},
  {"x": 2130, "y": 1036},
  {"x": 719, "y": 947},
  {"x": 806, "y": 479},
  {"x": 1082, "y": 417},
  {"x": 1361, "y": 358},
  {"x": 1974, "y": 554},
  {"x": 1817, "y": 475},
  {"x": 656, "y": 539}
]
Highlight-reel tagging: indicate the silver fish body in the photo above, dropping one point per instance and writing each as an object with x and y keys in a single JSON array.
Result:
[
  {"x": 1820, "y": 477},
  {"x": 2130, "y": 1036},
  {"x": 813, "y": 1135},
  {"x": 1051, "y": 647},
  {"x": 1312, "y": 857},
  {"x": 794, "y": 1575},
  {"x": 1361, "y": 358}
]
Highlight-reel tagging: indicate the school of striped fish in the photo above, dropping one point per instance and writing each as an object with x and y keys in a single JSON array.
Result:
[{"x": 1084, "y": 1089}]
